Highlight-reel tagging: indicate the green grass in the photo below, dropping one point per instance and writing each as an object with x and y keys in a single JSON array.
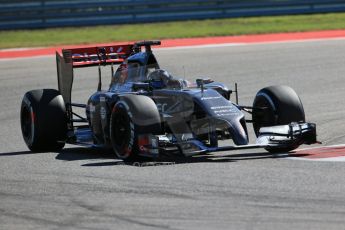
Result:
[{"x": 186, "y": 29}]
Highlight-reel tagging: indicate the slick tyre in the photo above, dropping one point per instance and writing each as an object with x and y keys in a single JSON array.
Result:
[
  {"x": 132, "y": 116},
  {"x": 43, "y": 120},
  {"x": 281, "y": 106}
]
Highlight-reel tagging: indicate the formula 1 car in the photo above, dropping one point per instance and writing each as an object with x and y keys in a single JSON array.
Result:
[{"x": 146, "y": 112}]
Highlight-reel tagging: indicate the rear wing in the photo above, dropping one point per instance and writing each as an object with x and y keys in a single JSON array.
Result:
[
  {"x": 70, "y": 59},
  {"x": 91, "y": 56}
]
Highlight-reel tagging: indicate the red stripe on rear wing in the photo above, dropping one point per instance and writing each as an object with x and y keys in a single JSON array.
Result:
[{"x": 91, "y": 56}]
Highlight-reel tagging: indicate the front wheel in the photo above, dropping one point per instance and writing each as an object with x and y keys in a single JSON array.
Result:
[
  {"x": 43, "y": 120},
  {"x": 132, "y": 116},
  {"x": 277, "y": 105}
]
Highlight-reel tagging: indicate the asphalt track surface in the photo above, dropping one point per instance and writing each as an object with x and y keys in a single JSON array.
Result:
[{"x": 79, "y": 188}]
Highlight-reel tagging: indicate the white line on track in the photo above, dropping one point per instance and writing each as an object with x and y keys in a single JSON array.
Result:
[
  {"x": 248, "y": 44},
  {"x": 200, "y": 46},
  {"x": 33, "y": 57}
]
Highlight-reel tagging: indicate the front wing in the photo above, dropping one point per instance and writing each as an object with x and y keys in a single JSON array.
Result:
[{"x": 275, "y": 138}]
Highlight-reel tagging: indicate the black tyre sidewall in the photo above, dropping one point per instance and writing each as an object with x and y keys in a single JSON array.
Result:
[
  {"x": 284, "y": 107},
  {"x": 49, "y": 121}
]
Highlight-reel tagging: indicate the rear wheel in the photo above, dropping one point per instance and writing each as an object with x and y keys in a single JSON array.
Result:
[
  {"x": 132, "y": 116},
  {"x": 43, "y": 120},
  {"x": 276, "y": 105}
]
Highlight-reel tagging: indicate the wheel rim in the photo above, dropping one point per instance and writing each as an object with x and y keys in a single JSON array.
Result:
[
  {"x": 121, "y": 133},
  {"x": 263, "y": 118},
  {"x": 27, "y": 123}
]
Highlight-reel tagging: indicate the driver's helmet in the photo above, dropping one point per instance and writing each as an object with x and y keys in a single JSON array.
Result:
[
  {"x": 162, "y": 79},
  {"x": 159, "y": 78}
]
